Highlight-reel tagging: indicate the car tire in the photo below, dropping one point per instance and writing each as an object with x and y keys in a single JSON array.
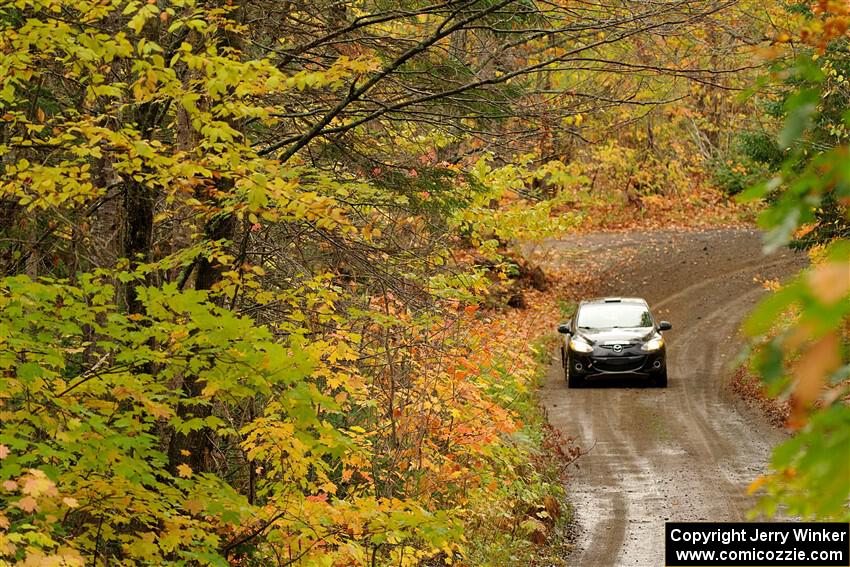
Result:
[{"x": 661, "y": 379}]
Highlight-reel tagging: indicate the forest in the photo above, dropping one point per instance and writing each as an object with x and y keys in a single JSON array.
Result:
[{"x": 263, "y": 295}]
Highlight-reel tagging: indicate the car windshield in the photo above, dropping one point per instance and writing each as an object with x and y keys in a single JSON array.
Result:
[{"x": 613, "y": 315}]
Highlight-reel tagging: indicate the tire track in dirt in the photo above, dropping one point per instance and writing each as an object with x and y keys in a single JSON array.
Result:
[{"x": 683, "y": 453}]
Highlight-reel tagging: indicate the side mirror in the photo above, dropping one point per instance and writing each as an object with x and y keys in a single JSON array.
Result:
[
  {"x": 564, "y": 328},
  {"x": 664, "y": 326}
]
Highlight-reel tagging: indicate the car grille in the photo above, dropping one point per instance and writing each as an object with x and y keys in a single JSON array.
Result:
[{"x": 619, "y": 363}]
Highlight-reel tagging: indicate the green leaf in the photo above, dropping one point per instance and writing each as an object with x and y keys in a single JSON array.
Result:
[{"x": 800, "y": 109}]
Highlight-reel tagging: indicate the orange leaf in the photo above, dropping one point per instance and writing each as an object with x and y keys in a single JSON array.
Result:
[
  {"x": 811, "y": 370},
  {"x": 830, "y": 282},
  {"x": 27, "y": 504}
]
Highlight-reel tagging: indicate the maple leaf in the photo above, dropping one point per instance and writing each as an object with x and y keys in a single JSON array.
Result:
[
  {"x": 71, "y": 502},
  {"x": 37, "y": 483},
  {"x": 160, "y": 411},
  {"x": 27, "y": 504},
  {"x": 193, "y": 506},
  {"x": 184, "y": 470},
  {"x": 4, "y": 451}
]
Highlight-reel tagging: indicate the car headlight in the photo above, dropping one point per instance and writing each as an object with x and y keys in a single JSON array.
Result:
[
  {"x": 653, "y": 344},
  {"x": 579, "y": 345}
]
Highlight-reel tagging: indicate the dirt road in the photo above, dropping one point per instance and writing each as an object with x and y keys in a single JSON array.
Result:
[{"x": 683, "y": 453}]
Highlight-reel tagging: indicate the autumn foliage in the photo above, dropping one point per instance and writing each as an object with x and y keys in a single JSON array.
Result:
[
  {"x": 215, "y": 351},
  {"x": 256, "y": 260}
]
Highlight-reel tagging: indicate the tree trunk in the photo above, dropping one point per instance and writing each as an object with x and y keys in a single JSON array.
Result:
[{"x": 194, "y": 448}]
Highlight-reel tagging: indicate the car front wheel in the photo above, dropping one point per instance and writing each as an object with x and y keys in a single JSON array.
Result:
[{"x": 660, "y": 378}]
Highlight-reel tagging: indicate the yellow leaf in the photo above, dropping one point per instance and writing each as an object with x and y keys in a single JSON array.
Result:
[
  {"x": 178, "y": 334},
  {"x": 70, "y": 502},
  {"x": 184, "y": 470},
  {"x": 194, "y": 506}
]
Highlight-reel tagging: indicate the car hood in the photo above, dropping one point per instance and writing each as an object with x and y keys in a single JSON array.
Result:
[{"x": 602, "y": 336}]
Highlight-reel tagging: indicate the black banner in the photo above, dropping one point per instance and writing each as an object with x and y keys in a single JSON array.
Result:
[{"x": 757, "y": 544}]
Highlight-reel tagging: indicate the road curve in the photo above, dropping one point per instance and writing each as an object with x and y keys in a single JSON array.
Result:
[{"x": 684, "y": 453}]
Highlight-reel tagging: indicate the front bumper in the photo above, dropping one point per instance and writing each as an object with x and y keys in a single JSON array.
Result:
[{"x": 606, "y": 364}]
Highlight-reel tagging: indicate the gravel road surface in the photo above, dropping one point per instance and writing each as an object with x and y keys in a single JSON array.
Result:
[{"x": 687, "y": 452}]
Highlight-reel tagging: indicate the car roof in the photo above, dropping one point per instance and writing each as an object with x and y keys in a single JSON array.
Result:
[{"x": 631, "y": 300}]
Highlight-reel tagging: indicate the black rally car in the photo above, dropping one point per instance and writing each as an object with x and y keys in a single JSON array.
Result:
[{"x": 613, "y": 336}]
